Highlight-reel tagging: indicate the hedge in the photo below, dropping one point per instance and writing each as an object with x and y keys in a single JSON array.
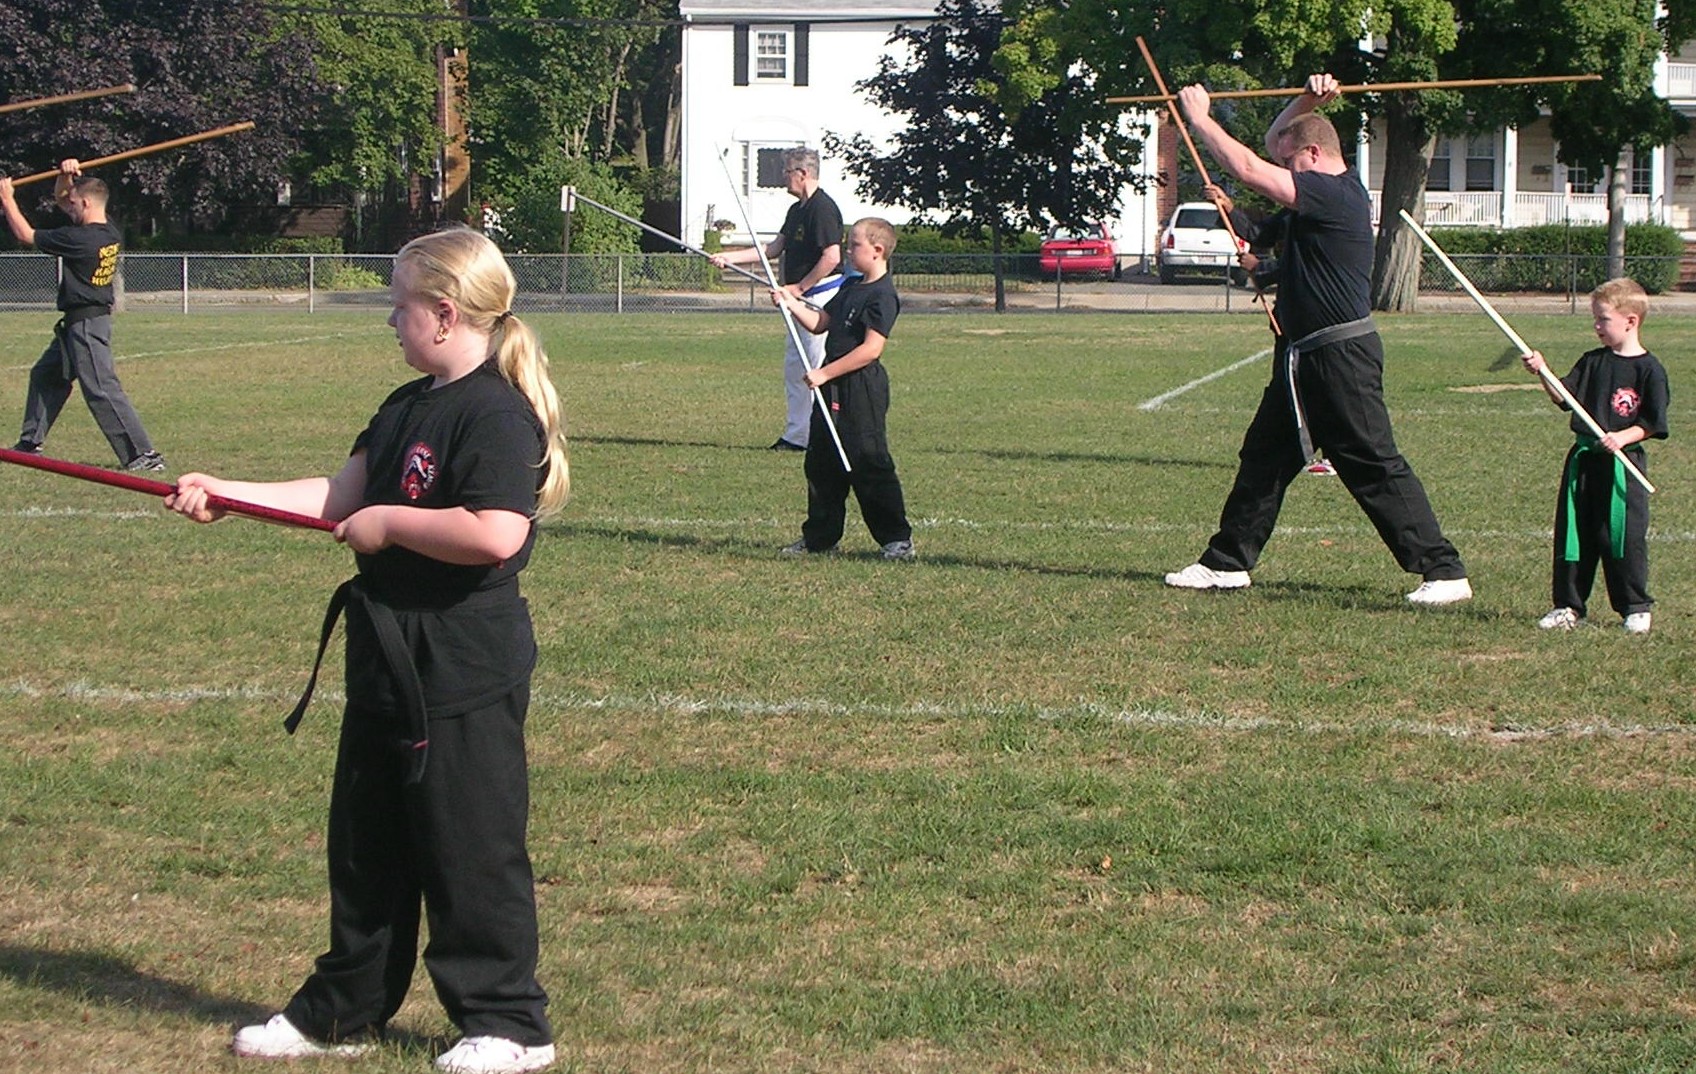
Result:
[{"x": 1555, "y": 257}]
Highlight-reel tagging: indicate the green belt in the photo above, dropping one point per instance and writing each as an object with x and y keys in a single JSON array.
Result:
[{"x": 1616, "y": 507}]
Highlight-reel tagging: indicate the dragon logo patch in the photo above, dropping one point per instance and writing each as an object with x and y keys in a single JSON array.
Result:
[
  {"x": 420, "y": 472},
  {"x": 1625, "y": 402}
]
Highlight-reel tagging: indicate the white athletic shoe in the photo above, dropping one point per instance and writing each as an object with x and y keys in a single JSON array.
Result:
[
  {"x": 494, "y": 1055},
  {"x": 1195, "y": 576},
  {"x": 1441, "y": 591},
  {"x": 1559, "y": 619},
  {"x": 279, "y": 1039},
  {"x": 1637, "y": 623}
]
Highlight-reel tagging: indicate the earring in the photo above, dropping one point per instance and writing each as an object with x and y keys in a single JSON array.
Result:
[{"x": 442, "y": 333}]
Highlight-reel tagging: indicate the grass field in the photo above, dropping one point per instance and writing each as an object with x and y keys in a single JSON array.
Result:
[{"x": 1013, "y": 807}]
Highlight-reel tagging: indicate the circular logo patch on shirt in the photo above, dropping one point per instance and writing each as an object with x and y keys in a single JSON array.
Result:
[
  {"x": 1626, "y": 401},
  {"x": 420, "y": 472}
]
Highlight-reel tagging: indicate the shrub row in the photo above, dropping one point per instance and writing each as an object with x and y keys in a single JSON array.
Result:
[{"x": 1554, "y": 257}]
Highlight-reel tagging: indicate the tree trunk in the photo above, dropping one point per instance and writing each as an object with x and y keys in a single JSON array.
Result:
[
  {"x": 1000, "y": 277},
  {"x": 1616, "y": 215},
  {"x": 1407, "y": 162}
]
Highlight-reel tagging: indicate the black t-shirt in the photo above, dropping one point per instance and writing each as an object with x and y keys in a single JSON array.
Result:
[
  {"x": 473, "y": 443},
  {"x": 859, "y": 306},
  {"x": 90, "y": 252},
  {"x": 1620, "y": 392},
  {"x": 811, "y": 227},
  {"x": 1325, "y": 273}
]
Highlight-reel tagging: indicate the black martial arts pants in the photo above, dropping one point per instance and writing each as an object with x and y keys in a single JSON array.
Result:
[
  {"x": 1342, "y": 392},
  {"x": 454, "y": 840},
  {"x": 860, "y": 402}
]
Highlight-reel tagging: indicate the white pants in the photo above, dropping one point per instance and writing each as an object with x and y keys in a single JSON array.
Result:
[{"x": 800, "y": 397}]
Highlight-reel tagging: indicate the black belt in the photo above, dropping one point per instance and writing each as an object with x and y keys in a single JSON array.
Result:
[
  {"x": 399, "y": 662},
  {"x": 78, "y": 314}
]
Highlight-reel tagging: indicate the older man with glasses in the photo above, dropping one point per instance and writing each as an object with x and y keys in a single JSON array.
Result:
[{"x": 810, "y": 248}]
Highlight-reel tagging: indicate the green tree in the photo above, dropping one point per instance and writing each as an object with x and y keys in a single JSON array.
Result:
[
  {"x": 963, "y": 160},
  {"x": 1233, "y": 43},
  {"x": 555, "y": 81},
  {"x": 379, "y": 81}
]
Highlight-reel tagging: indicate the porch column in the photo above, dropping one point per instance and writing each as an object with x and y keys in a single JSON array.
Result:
[{"x": 1510, "y": 175}]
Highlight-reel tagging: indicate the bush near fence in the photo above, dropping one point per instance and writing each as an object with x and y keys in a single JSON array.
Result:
[{"x": 1555, "y": 258}]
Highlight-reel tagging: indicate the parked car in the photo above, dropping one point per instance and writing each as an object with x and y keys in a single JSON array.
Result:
[
  {"x": 1075, "y": 251},
  {"x": 1195, "y": 240}
]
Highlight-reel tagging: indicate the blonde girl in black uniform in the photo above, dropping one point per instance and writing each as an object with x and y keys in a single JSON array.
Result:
[{"x": 439, "y": 501}]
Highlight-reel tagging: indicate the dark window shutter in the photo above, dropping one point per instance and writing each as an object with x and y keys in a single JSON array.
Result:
[
  {"x": 801, "y": 36},
  {"x": 740, "y": 33}
]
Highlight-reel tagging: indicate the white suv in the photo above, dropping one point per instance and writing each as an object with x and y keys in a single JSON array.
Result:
[{"x": 1195, "y": 241}]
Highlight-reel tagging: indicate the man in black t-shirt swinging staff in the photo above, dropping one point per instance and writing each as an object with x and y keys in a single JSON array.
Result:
[
  {"x": 81, "y": 350},
  {"x": 1327, "y": 389}
]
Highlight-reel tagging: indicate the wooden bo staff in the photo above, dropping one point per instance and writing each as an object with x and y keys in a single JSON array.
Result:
[
  {"x": 1195, "y": 155},
  {"x": 66, "y": 98},
  {"x": 157, "y": 147},
  {"x": 1373, "y": 87}
]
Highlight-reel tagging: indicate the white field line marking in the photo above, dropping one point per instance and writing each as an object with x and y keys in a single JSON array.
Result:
[
  {"x": 684, "y": 705},
  {"x": 1160, "y": 400},
  {"x": 1083, "y": 525},
  {"x": 248, "y": 345}
]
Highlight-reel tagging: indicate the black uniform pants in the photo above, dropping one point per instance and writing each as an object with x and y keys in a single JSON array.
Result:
[
  {"x": 1627, "y": 577},
  {"x": 1342, "y": 392},
  {"x": 81, "y": 353},
  {"x": 861, "y": 402},
  {"x": 456, "y": 840}
]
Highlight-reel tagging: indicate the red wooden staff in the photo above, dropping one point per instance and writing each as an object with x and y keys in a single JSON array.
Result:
[
  {"x": 128, "y": 154},
  {"x": 66, "y": 98},
  {"x": 161, "y": 489}
]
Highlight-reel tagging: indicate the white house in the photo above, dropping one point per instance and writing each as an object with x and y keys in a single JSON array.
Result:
[{"x": 761, "y": 76}]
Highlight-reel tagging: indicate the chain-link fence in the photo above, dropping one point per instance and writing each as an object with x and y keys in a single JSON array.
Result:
[{"x": 641, "y": 283}]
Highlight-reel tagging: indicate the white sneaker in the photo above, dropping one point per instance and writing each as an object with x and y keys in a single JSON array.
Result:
[
  {"x": 1195, "y": 576},
  {"x": 1559, "y": 619},
  {"x": 1637, "y": 623},
  {"x": 1321, "y": 468},
  {"x": 1441, "y": 591},
  {"x": 279, "y": 1039},
  {"x": 494, "y": 1055}
]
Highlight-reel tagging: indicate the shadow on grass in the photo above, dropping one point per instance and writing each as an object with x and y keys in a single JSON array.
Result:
[
  {"x": 103, "y": 979},
  {"x": 87, "y": 977}
]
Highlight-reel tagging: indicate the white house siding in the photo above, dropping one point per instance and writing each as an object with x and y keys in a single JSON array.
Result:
[{"x": 719, "y": 115}]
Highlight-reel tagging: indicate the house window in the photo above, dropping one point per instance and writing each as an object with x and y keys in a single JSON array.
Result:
[
  {"x": 1579, "y": 181},
  {"x": 1642, "y": 173},
  {"x": 769, "y": 174},
  {"x": 771, "y": 55},
  {"x": 1481, "y": 162},
  {"x": 1438, "y": 176}
]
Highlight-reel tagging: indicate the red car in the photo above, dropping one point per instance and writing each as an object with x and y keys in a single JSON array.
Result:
[{"x": 1079, "y": 250}]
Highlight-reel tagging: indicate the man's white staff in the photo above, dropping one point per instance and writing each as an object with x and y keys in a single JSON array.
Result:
[
  {"x": 1549, "y": 378},
  {"x": 788, "y": 318}
]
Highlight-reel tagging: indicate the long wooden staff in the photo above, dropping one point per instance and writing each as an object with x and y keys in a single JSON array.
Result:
[
  {"x": 66, "y": 98},
  {"x": 1371, "y": 87},
  {"x": 1549, "y": 378},
  {"x": 157, "y": 147},
  {"x": 1195, "y": 155},
  {"x": 159, "y": 488}
]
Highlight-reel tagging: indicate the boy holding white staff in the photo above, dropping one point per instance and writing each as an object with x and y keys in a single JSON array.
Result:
[{"x": 1601, "y": 516}]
